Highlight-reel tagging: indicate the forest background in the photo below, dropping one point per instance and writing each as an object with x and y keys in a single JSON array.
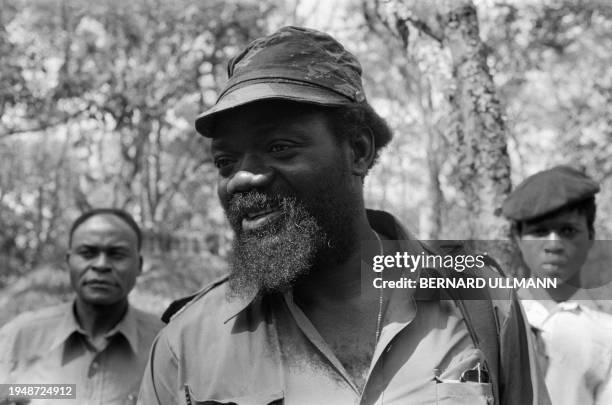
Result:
[{"x": 98, "y": 100}]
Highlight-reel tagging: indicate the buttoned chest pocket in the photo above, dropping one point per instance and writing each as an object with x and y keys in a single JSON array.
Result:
[
  {"x": 464, "y": 393},
  {"x": 131, "y": 399},
  {"x": 263, "y": 398}
]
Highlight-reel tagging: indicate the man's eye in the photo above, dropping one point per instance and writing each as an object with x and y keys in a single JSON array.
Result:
[
  {"x": 117, "y": 254},
  {"x": 221, "y": 162},
  {"x": 568, "y": 231},
  {"x": 539, "y": 231},
  {"x": 87, "y": 253},
  {"x": 279, "y": 147}
]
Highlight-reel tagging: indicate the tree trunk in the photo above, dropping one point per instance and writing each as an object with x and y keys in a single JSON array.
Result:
[
  {"x": 435, "y": 197},
  {"x": 483, "y": 170},
  {"x": 482, "y": 173},
  {"x": 484, "y": 164}
]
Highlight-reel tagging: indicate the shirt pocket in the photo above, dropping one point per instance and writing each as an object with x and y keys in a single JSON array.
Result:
[
  {"x": 131, "y": 399},
  {"x": 464, "y": 393},
  {"x": 260, "y": 398}
]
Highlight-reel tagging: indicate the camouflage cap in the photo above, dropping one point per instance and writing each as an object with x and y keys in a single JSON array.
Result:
[
  {"x": 296, "y": 64},
  {"x": 548, "y": 191}
]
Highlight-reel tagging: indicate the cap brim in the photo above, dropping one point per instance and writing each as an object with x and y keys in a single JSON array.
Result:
[{"x": 267, "y": 91}]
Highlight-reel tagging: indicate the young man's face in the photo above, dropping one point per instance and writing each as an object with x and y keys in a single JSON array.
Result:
[
  {"x": 556, "y": 246},
  {"x": 103, "y": 260},
  {"x": 286, "y": 186}
]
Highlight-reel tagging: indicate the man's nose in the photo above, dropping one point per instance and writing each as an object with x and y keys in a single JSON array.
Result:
[
  {"x": 553, "y": 242},
  {"x": 244, "y": 181},
  {"x": 101, "y": 262},
  {"x": 253, "y": 174}
]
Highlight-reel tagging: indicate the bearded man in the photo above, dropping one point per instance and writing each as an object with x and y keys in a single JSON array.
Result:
[{"x": 293, "y": 138}]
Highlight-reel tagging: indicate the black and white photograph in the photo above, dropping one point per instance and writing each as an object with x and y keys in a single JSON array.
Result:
[{"x": 257, "y": 202}]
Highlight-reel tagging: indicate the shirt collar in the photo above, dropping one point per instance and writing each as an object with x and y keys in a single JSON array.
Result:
[
  {"x": 380, "y": 221},
  {"x": 387, "y": 224},
  {"x": 538, "y": 313},
  {"x": 571, "y": 306},
  {"x": 68, "y": 325},
  {"x": 236, "y": 305},
  {"x": 128, "y": 327}
]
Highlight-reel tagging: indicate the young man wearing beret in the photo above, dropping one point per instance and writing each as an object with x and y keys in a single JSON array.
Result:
[
  {"x": 293, "y": 138},
  {"x": 552, "y": 214}
]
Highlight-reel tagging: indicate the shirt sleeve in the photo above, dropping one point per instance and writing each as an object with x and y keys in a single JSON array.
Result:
[
  {"x": 7, "y": 340},
  {"x": 6, "y": 361},
  {"x": 159, "y": 383},
  {"x": 522, "y": 381},
  {"x": 603, "y": 393}
]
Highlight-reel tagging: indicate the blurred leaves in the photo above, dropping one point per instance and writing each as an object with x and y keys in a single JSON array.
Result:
[{"x": 106, "y": 93}]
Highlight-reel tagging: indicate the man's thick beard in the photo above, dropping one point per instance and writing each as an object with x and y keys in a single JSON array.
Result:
[{"x": 307, "y": 236}]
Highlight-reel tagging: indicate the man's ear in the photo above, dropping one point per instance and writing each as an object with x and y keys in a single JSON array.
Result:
[
  {"x": 515, "y": 233},
  {"x": 363, "y": 147},
  {"x": 515, "y": 237},
  {"x": 140, "y": 262},
  {"x": 591, "y": 241}
]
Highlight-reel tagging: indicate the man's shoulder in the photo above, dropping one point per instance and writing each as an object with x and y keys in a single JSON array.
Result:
[
  {"x": 204, "y": 306},
  {"x": 146, "y": 321},
  {"x": 599, "y": 322},
  {"x": 201, "y": 325},
  {"x": 36, "y": 319},
  {"x": 32, "y": 331}
]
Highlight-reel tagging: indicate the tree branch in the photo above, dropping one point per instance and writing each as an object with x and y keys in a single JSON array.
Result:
[{"x": 41, "y": 127}]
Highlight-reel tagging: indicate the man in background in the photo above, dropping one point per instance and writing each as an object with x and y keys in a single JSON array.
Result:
[
  {"x": 98, "y": 341},
  {"x": 553, "y": 215}
]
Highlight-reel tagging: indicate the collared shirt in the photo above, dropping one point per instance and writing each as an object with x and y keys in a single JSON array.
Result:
[
  {"x": 50, "y": 347},
  {"x": 576, "y": 350},
  {"x": 266, "y": 351},
  {"x": 270, "y": 351}
]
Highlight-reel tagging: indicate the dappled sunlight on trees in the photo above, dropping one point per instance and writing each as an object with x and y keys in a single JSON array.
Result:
[{"x": 99, "y": 106}]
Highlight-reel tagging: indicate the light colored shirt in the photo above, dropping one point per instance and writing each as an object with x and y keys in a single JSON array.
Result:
[
  {"x": 265, "y": 350},
  {"x": 270, "y": 349},
  {"x": 576, "y": 345},
  {"x": 50, "y": 347}
]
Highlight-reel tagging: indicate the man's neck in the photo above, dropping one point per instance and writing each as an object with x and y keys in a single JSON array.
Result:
[
  {"x": 97, "y": 320},
  {"x": 345, "y": 315},
  {"x": 562, "y": 293}
]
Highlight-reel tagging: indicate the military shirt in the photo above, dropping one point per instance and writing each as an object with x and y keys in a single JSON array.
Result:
[
  {"x": 50, "y": 347},
  {"x": 265, "y": 350},
  {"x": 576, "y": 350}
]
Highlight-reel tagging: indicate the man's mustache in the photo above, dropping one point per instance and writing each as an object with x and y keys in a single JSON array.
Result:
[{"x": 242, "y": 204}]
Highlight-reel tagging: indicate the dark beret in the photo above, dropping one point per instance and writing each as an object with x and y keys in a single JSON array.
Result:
[{"x": 548, "y": 191}]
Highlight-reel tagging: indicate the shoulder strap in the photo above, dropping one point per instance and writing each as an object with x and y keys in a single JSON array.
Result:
[
  {"x": 178, "y": 305},
  {"x": 481, "y": 322},
  {"x": 479, "y": 313}
]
